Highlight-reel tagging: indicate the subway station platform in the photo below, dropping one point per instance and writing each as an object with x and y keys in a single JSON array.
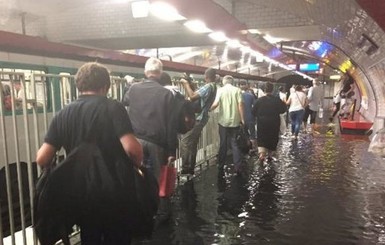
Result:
[{"x": 322, "y": 189}]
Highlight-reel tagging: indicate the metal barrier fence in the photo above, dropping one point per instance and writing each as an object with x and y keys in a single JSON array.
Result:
[{"x": 22, "y": 129}]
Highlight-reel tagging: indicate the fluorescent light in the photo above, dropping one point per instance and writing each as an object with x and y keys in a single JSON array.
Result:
[
  {"x": 233, "y": 43},
  {"x": 197, "y": 26},
  {"x": 335, "y": 77},
  {"x": 272, "y": 39},
  {"x": 218, "y": 36},
  {"x": 245, "y": 49},
  {"x": 292, "y": 66},
  {"x": 254, "y": 31},
  {"x": 165, "y": 11},
  {"x": 140, "y": 9},
  {"x": 258, "y": 56}
]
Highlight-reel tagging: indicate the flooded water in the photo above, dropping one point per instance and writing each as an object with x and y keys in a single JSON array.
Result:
[{"x": 321, "y": 190}]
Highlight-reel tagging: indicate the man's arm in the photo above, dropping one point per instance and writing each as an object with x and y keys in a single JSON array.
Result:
[
  {"x": 216, "y": 101},
  {"x": 214, "y": 105},
  {"x": 45, "y": 155},
  {"x": 241, "y": 106},
  {"x": 190, "y": 93},
  {"x": 288, "y": 101},
  {"x": 133, "y": 148},
  {"x": 310, "y": 94}
]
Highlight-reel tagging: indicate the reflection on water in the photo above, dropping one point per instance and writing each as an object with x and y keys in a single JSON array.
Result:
[{"x": 322, "y": 190}]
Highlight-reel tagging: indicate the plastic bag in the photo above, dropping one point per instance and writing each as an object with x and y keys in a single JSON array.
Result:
[
  {"x": 167, "y": 180},
  {"x": 321, "y": 113},
  {"x": 377, "y": 145}
]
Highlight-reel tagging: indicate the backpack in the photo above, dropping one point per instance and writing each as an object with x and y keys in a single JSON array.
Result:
[{"x": 185, "y": 114}]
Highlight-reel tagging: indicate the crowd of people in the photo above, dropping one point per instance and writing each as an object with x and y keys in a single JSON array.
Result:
[{"x": 148, "y": 132}]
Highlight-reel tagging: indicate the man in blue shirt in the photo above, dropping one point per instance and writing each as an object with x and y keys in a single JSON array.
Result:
[
  {"x": 248, "y": 102},
  {"x": 189, "y": 141}
]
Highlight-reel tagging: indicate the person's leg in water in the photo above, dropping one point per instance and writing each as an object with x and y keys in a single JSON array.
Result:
[
  {"x": 337, "y": 107},
  {"x": 313, "y": 116},
  {"x": 305, "y": 118}
]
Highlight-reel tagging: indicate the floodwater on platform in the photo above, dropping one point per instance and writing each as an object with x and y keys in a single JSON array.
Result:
[{"x": 320, "y": 190}]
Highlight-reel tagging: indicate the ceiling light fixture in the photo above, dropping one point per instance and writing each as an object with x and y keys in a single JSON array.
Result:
[
  {"x": 233, "y": 43},
  {"x": 165, "y": 11},
  {"x": 254, "y": 31},
  {"x": 218, "y": 36},
  {"x": 272, "y": 40},
  {"x": 335, "y": 77},
  {"x": 140, "y": 9},
  {"x": 197, "y": 26}
]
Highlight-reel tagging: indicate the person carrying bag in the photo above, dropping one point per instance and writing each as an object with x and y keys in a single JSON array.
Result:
[
  {"x": 110, "y": 196},
  {"x": 297, "y": 101}
]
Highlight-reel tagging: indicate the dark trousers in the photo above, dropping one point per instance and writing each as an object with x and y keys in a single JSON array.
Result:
[
  {"x": 189, "y": 146},
  {"x": 105, "y": 234},
  {"x": 336, "y": 108},
  {"x": 311, "y": 113},
  {"x": 154, "y": 156},
  {"x": 227, "y": 136},
  {"x": 250, "y": 126}
]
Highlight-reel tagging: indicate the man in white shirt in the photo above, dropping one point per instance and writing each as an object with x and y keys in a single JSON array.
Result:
[
  {"x": 315, "y": 99},
  {"x": 283, "y": 97},
  {"x": 19, "y": 95}
]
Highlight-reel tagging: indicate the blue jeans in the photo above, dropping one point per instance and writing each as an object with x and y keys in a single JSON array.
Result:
[
  {"x": 227, "y": 135},
  {"x": 296, "y": 118}
]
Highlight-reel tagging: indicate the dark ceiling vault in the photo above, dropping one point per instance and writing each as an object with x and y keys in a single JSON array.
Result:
[{"x": 375, "y": 9}]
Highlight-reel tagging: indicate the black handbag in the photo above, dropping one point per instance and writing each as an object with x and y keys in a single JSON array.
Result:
[
  {"x": 147, "y": 194},
  {"x": 242, "y": 140},
  {"x": 143, "y": 198}
]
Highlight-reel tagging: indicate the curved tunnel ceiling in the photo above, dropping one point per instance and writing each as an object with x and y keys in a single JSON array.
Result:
[{"x": 295, "y": 20}]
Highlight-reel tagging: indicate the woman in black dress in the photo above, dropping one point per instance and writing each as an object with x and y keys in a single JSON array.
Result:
[{"x": 267, "y": 110}]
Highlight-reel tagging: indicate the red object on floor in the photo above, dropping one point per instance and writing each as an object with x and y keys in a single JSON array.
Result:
[
  {"x": 167, "y": 180},
  {"x": 359, "y": 124}
]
